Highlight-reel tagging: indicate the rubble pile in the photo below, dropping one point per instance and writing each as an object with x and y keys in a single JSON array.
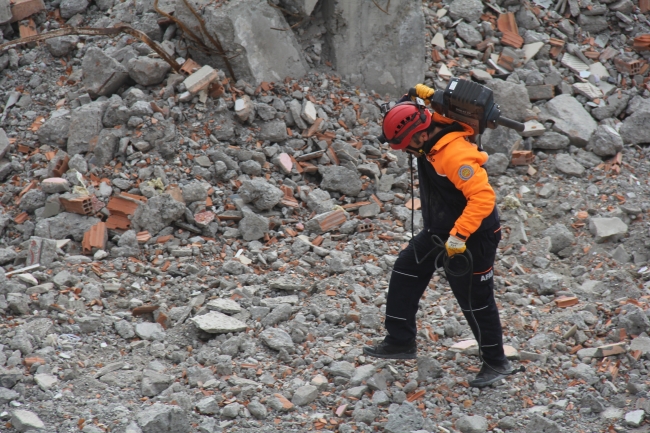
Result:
[{"x": 182, "y": 251}]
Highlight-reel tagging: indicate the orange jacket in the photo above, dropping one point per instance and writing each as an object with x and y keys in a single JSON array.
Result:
[{"x": 460, "y": 161}]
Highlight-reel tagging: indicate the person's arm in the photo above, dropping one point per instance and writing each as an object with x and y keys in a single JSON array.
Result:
[{"x": 462, "y": 164}]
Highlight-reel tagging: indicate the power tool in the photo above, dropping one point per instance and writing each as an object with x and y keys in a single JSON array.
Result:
[{"x": 470, "y": 103}]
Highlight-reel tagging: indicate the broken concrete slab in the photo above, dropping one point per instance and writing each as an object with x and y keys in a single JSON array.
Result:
[
  {"x": 387, "y": 48},
  {"x": 102, "y": 74},
  {"x": 247, "y": 28},
  {"x": 85, "y": 125},
  {"x": 571, "y": 119}
]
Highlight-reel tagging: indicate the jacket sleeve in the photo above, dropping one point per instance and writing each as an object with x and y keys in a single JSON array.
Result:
[{"x": 462, "y": 163}]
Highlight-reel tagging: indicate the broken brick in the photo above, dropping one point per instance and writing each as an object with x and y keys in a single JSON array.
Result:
[
  {"x": 61, "y": 166},
  {"x": 78, "y": 205},
  {"x": 626, "y": 65},
  {"x": 566, "y": 301},
  {"x": 522, "y": 157},
  {"x": 333, "y": 220},
  {"x": 21, "y": 9},
  {"x": 95, "y": 237}
]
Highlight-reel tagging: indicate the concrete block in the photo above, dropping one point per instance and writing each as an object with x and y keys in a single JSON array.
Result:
[
  {"x": 380, "y": 52},
  {"x": 200, "y": 80},
  {"x": 246, "y": 28}
]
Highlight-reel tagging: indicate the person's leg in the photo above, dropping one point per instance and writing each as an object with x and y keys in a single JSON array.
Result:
[
  {"x": 407, "y": 284},
  {"x": 483, "y": 248}
]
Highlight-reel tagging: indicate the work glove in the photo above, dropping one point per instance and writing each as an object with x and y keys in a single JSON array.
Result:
[
  {"x": 424, "y": 92},
  {"x": 455, "y": 246}
]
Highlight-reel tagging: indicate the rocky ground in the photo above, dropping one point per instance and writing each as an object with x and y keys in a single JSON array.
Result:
[{"x": 214, "y": 259}]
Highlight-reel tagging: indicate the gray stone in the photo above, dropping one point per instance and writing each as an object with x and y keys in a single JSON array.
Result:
[
  {"x": 5, "y": 16},
  {"x": 605, "y": 141},
  {"x": 388, "y": 59},
  {"x": 89, "y": 324},
  {"x": 621, "y": 255},
  {"x": 246, "y": 27},
  {"x": 341, "y": 369},
  {"x": 539, "y": 424},
  {"x": 7, "y": 255},
  {"x": 429, "y": 368},
  {"x": 472, "y": 424},
  {"x": 260, "y": 193},
  {"x": 161, "y": 418},
  {"x": 153, "y": 383},
  {"x": 592, "y": 402},
  {"x": 277, "y": 339},
  {"x": 194, "y": 191},
  {"x": 607, "y": 229},
  {"x": 7, "y": 396},
  {"x": 273, "y": 131},
  {"x": 78, "y": 163},
  {"x": 150, "y": 331},
  {"x": 635, "y": 418},
  {"x": 339, "y": 262},
  {"x": 497, "y": 164},
  {"x": 157, "y": 213},
  {"x": 280, "y": 313},
  {"x": 571, "y": 119},
  {"x": 24, "y": 420},
  {"x": 257, "y": 409},
  {"x": 287, "y": 283},
  {"x": 527, "y": 19},
  {"x": 45, "y": 381},
  {"x": 125, "y": 329},
  {"x": 218, "y": 323},
  {"x": 362, "y": 374},
  {"x": 62, "y": 46},
  {"x": 615, "y": 106},
  {"x": 561, "y": 237},
  {"x": 147, "y": 71},
  {"x": 551, "y": 141},
  {"x": 566, "y": 164},
  {"x": 593, "y": 24},
  {"x": 636, "y": 128},
  {"x": 513, "y": 98},
  {"x": 208, "y": 406},
  {"x": 251, "y": 168},
  {"x": 546, "y": 284},
  {"x": 340, "y": 179},
  {"x": 102, "y": 74},
  {"x": 234, "y": 267},
  {"x": 584, "y": 372},
  {"x": 253, "y": 227},
  {"x": 106, "y": 146},
  {"x": 320, "y": 201},
  {"x": 405, "y": 419},
  {"x": 641, "y": 343},
  {"x": 63, "y": 225},
  {"x": 226, "y": 306},
  {"x": 231, "y": 410},
  {"x": 469, "y": 10},
  {"x": 304, "y": 395},
  {"x": 634, "y": 320},
  {"x": 85, "y": 125},
  {"x": 69, "y": 8},
  {"x": 469, "y": 34}
]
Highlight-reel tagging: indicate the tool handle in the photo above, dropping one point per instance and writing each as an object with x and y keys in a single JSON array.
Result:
[{"x": 512, "y": 124}]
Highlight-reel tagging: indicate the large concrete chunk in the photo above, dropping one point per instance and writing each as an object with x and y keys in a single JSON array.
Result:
[
  {"x": 636, "y": 128},
  {"x": 85, "y": 125},
  {"x": 245, "y": 27},
  {"x": 161, "y": 418},
  {"x": 148, "y": 72},
  {"x": 571, "y": 119},
  {"x": 340, "y": 179},
  {"x": 102, "y": 74},
  {"x": 157, "y": 213},
  {"x": 607, "y": 229},
  {"x": 378, "y": 51},
  {"x": 218, "y": 323},
  {"x": 501, "y": 140},
  {"x": 512, "y": 98},
  {"x": 63, "y": 225},
  {"x": 24, "y": 420}
]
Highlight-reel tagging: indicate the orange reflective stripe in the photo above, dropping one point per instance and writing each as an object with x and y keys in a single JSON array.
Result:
[{"x": 484, "y": 272}]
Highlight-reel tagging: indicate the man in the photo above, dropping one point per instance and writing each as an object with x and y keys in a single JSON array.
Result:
[{"x": 459, "y": 205}]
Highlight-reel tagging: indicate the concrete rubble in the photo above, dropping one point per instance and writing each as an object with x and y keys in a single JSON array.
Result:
[{"x": 188, "y": 252}]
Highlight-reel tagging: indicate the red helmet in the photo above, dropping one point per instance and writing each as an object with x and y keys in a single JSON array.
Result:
[{"x": 403, "y": 121}]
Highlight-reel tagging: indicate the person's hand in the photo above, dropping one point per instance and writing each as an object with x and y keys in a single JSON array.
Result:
[
  {"x": 424, "y": 92},
  {"x": 455, "y": 246}
]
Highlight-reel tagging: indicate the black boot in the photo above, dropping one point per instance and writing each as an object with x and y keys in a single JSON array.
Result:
[
  {"x": 391, "y": 351},
  {"x": 487, "y": 376}
]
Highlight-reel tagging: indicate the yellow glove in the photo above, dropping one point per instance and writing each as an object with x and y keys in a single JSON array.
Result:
[
  {"x": 455, "y": 246},
  {"x": 424, "y": 92}
]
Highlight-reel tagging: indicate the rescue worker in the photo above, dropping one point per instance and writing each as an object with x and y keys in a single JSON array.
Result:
[{"x": 459, "y": 206}]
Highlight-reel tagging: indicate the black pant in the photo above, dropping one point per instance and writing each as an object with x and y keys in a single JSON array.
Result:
[{"x": 409, "y": 280}]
